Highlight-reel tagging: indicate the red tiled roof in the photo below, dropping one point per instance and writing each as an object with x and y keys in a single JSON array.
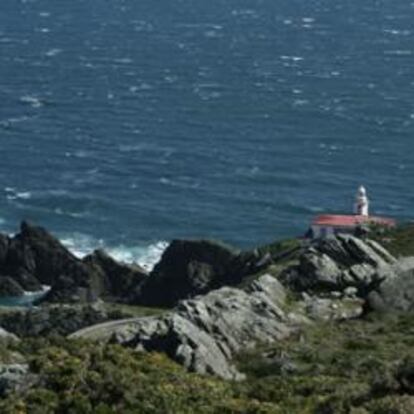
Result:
[{"x": 335, "y": 220}]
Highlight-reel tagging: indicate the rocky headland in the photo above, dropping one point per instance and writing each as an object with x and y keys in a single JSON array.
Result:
[{"x": 207, "y": 304}]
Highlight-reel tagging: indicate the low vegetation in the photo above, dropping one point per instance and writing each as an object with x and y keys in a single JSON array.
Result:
[
  {"x": 398, "y": 241},
  {"x": 282, "y": 250},
  {"x": 356, "y": 367},
  {"x": 362, "y": 366},
  {"x": 131, "y": 311}
]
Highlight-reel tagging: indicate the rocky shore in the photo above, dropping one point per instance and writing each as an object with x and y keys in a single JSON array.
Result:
[{"x": 211, "y": 302}]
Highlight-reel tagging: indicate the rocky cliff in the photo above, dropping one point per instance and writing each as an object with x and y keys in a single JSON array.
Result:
[
  {"x": 332, "y": 279},
  {"x": 323, "y": 325},
  {"x": 34, "y": 257},
  {"x": 225, "y": 301}
]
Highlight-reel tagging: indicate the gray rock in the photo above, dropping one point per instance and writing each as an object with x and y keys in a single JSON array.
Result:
[
  {"x": 351, "y": 292},
  {"x": 7, "y": 336},
  {"x": 204, "y": 333},
  {"x": 395, "y": 293},
  {"x": 269, "y": 286},
  {"x": 237, "y": 319},
  {"x": 384, "y": 253},
  {"x": 12, "y": 377},
  {"x": 319, "y": 269},
  {"x": 324, "y": 309},
  {"x": 362, "y": 252},
  {"x": 340, "y": 262}
]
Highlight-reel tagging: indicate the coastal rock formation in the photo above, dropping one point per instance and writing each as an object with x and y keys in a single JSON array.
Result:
[
  {"x": 330, "y": 281},
  {"x": 397, "y": 291},
  {"x": 34, "y": 258},
  {"x": 55, "y": 319},
  {"x": 341, "y": 262},
  {"x": 190, "y": 268},
  {"x": 204, "y": 333},
  {"x": 27, "y": 281},
  {"x": 9, "y": 287},
  {"x": 121, "y": 280}
]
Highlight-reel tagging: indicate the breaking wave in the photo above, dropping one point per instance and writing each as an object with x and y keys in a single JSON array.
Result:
[{"x": 147, "y": 256}]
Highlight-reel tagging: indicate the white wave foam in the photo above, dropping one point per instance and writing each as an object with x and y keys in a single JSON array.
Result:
[
  {"x": 14, "y": 120},
  {"x": 145, "y": 256},
  {"x": 53, "y": 52},
  {"x": 81, "y": 245},
  {"x": 37, "y": 293},
  {"x": 13, "y": 194},
  {"x": 32, "y": 101},
  {"x": 62, "y": 212},
  {"x": 25, "y": 195}
]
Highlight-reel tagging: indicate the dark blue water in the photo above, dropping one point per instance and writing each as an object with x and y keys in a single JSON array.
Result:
[{"x": 125, "y": 122}]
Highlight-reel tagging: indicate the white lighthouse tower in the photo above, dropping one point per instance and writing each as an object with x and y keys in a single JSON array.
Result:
[{"x": 362, "y": 202}]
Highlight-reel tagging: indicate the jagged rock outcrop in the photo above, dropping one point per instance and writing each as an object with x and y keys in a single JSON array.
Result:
[
  {"x": 397, "y": 290},
  {"x": 190, "y": 268},
  {"x": 122, "y": 280},
  {"x": 205, "y": 332},
  {"x": 340, "y": 262},
  {"x": 34, "y": 258},
  {"x": 9, "y": 287}
]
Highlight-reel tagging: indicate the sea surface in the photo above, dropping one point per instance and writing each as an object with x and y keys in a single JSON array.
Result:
[{"x": 125, "y": 123}]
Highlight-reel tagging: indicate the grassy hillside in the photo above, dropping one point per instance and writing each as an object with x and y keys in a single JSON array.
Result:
[
  {"x": 357, "y": 367},
  {"x": 399, "y": 241}
]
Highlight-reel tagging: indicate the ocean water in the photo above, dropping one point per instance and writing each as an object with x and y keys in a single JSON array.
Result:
[
  {"x": 124, "y": 123},
  {"x": 25, "y": 300}
]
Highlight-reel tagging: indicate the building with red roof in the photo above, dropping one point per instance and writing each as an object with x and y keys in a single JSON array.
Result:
[{"x": 330, "y": 224}]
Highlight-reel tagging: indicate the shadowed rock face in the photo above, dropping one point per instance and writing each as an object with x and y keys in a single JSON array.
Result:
[
  {"x": 9, "y": 287},
  {"x": 34, "y": 257},
  {"x": 4, "y": 247},
  {"x": 190, "y": 268},
  {"x": 122, "y": 280}
]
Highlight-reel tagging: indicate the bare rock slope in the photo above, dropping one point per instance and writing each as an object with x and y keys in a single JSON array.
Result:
[{"x": 204, "y": 333}]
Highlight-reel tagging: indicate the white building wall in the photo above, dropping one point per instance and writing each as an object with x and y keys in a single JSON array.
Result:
[{"x": 322, "y": 232}]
